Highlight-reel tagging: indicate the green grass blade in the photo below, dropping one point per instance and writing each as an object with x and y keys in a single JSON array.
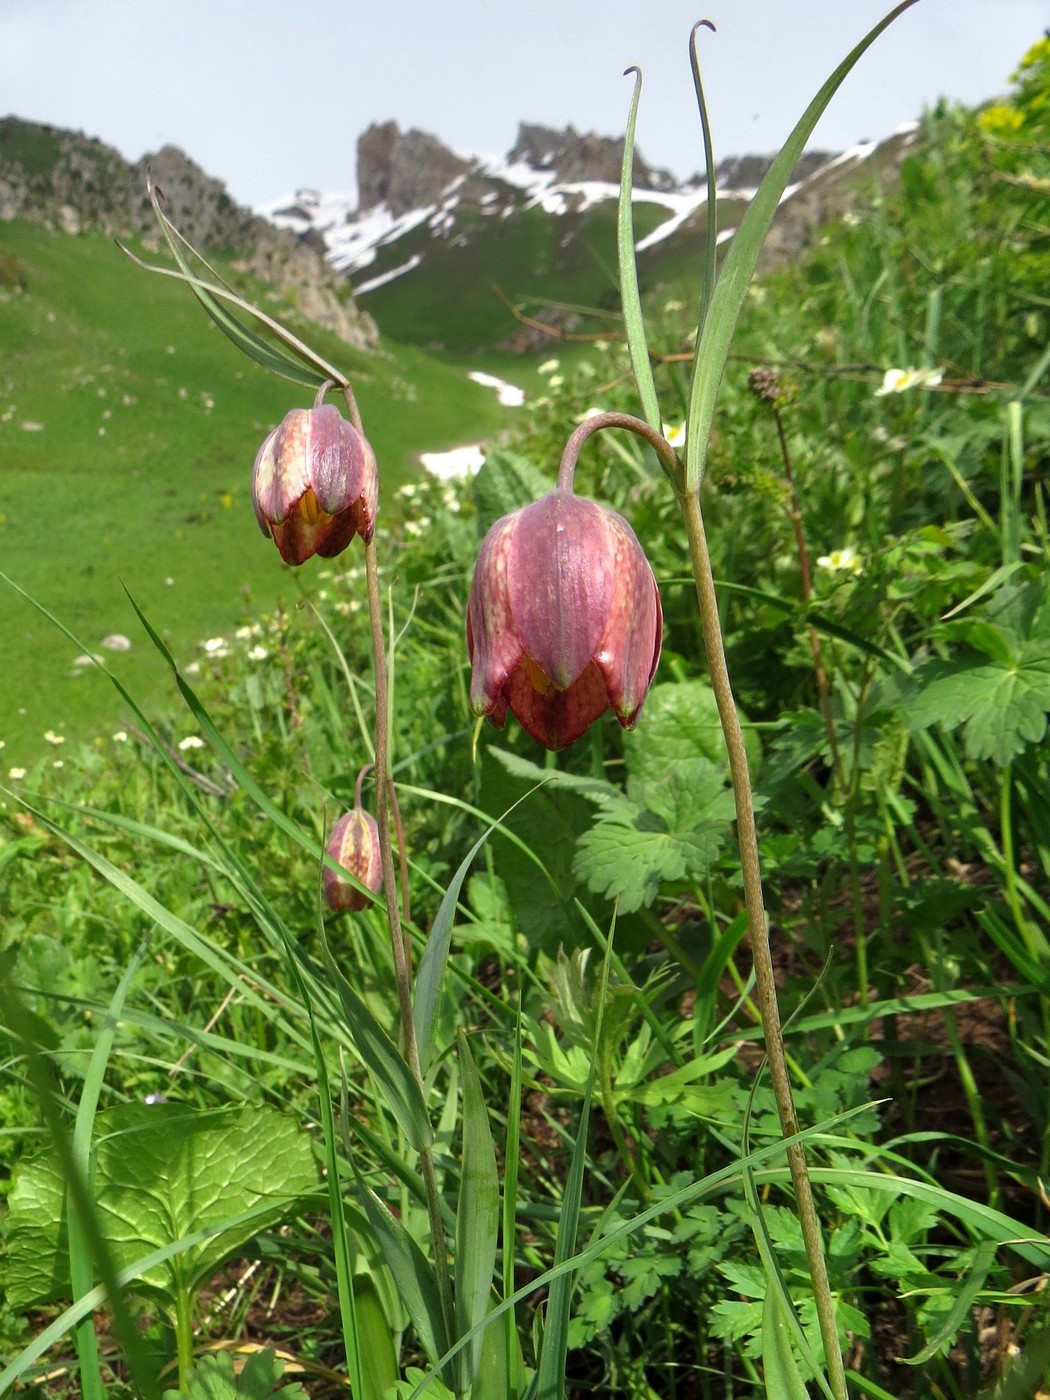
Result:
[
  {"x": 340, "y": 1243},
  {"x": 727, "y": 301},
  {"x": 397, "y": 1084},
  {"x": 780, "y": 1369},
  {"x": 984, "y": 1258},
  {"x": 477, "y": 1214},
  {"x": 629, "y": 294},
  {"x": 431, "y": 971},
  {"x": 413, "y": 1276},
  {"x": 725, "y": 1179},
  {"x": 510, "y": 1207},
  {"x": 711, "y": 226},
  {"x": 550, "y": 1370},
  {"x": 81, "y": 1274}
]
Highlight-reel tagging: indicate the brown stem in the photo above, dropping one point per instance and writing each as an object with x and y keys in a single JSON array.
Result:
[
  {"x": 599, "y": 421},
  {"x": 747, "y": 836},
  {"x": 398, "y": 934}
]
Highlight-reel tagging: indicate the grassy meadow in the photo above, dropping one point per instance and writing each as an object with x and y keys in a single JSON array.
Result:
[
  {"x": 128, "y": 429},
  {"x": 509, "y": 1131}
]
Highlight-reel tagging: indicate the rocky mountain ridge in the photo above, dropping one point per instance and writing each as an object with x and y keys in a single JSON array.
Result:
[
  {"x": 409, "y": 180},
  {"x": 72, "y": 182}
]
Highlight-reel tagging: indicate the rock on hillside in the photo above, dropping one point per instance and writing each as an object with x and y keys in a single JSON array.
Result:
[{"x": 70, "y": 181}]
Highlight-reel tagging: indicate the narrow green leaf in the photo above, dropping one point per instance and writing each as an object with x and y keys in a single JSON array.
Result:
[
  {"x": 81, "y": 1274},
  {"x": 983, "y": 1259},
  {"x": 397, "y": 1084},
  {"x": 340, "y": 1243},
  {"x": 431, "y": 971},
  {"x": 629, "y": 294},
  {"x": 477, "y": 1214},
  {"x": 711, "y": 226},
  {"x": 713, "y": 343},
  {"x": 303, "y": 366},
  {"x": 550, "y": 1370},
  {"x": 782, "y": 1376},
  {"x": 413, "y": 1275}
]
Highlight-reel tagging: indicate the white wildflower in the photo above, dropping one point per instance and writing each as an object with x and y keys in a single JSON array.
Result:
[
  {"x": 120, "y": 737},
  {"x": 899, "y": 381},
  {"x": 841, "y": 561},
  {"x": 191, "y": 741},
  {"x": 52, "y": 738},
  {"x": 675, "y": 434},
  {"x": 258, "y": 653},
  {"x": 548, "y": 366},
  {"x": 16, "y": 774}
]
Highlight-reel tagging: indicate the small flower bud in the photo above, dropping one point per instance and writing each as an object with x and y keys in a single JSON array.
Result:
[
  {"x": 315, "y": 484},
  {"x": 353, "y": 844}
]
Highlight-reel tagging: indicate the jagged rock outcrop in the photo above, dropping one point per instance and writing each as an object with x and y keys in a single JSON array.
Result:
[
  {"x": 748, "y": 172},
  {"x": 72, "y": 182},
  {"x": 403, "y": 170},
  {"x": 574, "y": 158}
]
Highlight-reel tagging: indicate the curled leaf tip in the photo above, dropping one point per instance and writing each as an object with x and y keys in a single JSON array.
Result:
[
  {"x": 702, "y": 24},
  {"x": 633, "y": 69}
]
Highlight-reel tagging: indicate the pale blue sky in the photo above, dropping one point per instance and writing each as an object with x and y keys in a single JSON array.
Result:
[{"x": 270, "y": 95}]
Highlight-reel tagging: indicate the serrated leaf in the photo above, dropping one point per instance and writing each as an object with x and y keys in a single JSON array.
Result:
[
  {"x": 681, "y": 723},
  {"x": 631, "y": 850},
  {"x": 214, "y": 1378},
  {"x": 1002, "y": 707},
  {"x": 161, "y": 1172}
]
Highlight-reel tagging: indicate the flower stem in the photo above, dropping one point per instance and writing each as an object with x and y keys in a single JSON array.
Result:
[
  {"x": 399, "y": 940},
  {"x": 747, "y": 836}
]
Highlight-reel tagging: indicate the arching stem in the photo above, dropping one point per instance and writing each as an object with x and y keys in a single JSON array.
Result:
[{"x": 747, "y": 837}]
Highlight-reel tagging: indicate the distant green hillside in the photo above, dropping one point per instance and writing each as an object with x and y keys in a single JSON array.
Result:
[
  {"x": 453, "y": 301},
  {"x": 128, "y": 428}
]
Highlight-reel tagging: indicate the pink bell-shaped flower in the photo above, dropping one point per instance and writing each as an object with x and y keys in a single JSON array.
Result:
[
  {"x": 315, "y": 484},
  {"x": 564, "y": 619}
]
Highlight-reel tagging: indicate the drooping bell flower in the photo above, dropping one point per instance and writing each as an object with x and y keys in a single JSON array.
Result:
[
  {"x": 354, "y": 844},
  {"x": 564, "y": 619},
  {"x": 315, "y": 485}
]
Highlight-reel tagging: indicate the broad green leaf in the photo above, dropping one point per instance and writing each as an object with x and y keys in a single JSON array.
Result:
[
  {"x": 1002, "y": 707},
  {"x": 161, "y": 1172},
  {"x": 681, "y": 722},
  {"x": 632, "y": 849},
  {"x": 477, "y": 1215},
  {"x": 997, "y": 683}
]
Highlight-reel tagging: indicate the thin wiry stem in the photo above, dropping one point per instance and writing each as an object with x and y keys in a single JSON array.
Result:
[
  {"x": 747, "y": 837},
  {"x": 399, "y": 941}
]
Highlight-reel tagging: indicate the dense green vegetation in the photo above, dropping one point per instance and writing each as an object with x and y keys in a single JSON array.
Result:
[{"x": 875, "y": 506}]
